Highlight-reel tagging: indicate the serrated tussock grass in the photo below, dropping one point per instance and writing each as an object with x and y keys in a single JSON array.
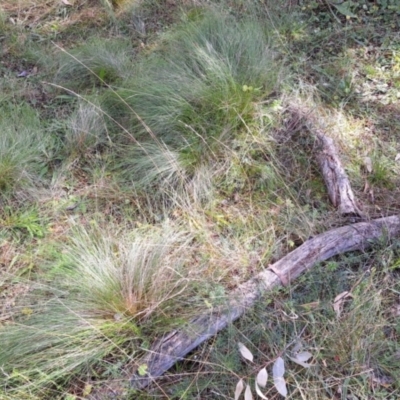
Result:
[
  {"x": 196, "y": 91},
  {"x": 60, "y": 339},
  {"x": 134, "y": 276},
  {"x": 24, "y": 149},
  {"x": 86, "y": 131},
  {"x": 105, "y": 292},
  {"x": 95, "y": 63}
]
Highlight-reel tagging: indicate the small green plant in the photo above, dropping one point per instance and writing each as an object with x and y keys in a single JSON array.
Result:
[
  {"x": 380, "y": 173},
  {"x": 25, "y": 222}
]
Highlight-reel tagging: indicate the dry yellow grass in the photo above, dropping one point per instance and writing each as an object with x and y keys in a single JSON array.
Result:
[{"x": 45, "y": 15}]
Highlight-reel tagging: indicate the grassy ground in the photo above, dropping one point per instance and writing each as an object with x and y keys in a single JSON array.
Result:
[{"x": 147, "y": 168}]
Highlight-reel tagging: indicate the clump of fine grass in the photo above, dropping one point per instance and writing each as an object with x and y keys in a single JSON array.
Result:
[
  {"x": 136, "y": 277},
  {"x": 161, "y": 172},
  {"x": 203, "y": 80},
  {"x": 3, "y": 19},
  {"x": 24, "y": 147},
  {"x": 153, "y": 164},
  {"x": 95, "y": 63},
  {"x": 196, "y": 91},
  {"x": 86, "y": 131},
  {"x": 50, "y": 345},
  {"x": 103, "y": 295}
]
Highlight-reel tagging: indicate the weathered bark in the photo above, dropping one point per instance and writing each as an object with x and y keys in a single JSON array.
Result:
[
  {"x": 174, "y": 346},
  {"x": 336, "y": 180},
  {"x": 337, "y": 183}
]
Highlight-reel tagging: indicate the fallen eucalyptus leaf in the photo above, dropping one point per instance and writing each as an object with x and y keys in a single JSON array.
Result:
[
  {"x": 245, "y": 352},
  {"x": 247, "y": 393},
  {"x": 278, "y": 370},
  {"x": 280, "y": 385},
  {"x": 239, "y": 389},
  {"x": 259, "y": 392},
  {"x": 339, "y": 301},
  {"x": 299, "y": 362},
  {"x": 262, "y": 377},
  {"x": 303, "y": 356}
]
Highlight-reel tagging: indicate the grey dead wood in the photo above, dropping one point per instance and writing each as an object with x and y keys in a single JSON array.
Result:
[
  {"x": 336, "y": 180},
  {"x": 337, "y": 183},
  {"x": 173, "y": 347}
]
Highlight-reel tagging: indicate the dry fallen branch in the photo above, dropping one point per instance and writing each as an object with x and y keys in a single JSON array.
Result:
[
  {"x": 335, "y": 177},
  {"x": 338, "y": 185},
  {"x": 174, "y": 346}
]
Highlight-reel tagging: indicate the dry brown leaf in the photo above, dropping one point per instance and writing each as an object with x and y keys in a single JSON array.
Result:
[
  {"x": 366, "y": 187},
  {"x": 339, "y": 302},
  {"x": 368, "y": 164}
]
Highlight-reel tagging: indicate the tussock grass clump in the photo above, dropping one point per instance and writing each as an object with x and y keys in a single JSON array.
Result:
[
  {"x": 24, "y": 147},
  {"x": 163, "y": 173},
  {"x": 53, "y": 343},
  {"x": 153, "y": 164},
  {"x": 95, "y": 63},
  {"x": 86, "y": 130},
  {"x": 103, "y": 296},
  {"x": 136, "y": 276},
  {"x": 195, "y": 92},
  {"x": 203, "y": 80},
  {"x": 3, "y": 19}
]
